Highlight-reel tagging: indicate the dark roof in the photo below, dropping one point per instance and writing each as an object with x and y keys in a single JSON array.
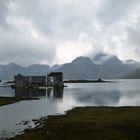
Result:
[
  {"x": 55, "y": 73},
  {"x": 19, "y": 75}
]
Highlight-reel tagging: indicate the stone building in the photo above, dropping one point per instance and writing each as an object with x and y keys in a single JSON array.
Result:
[
  {"x": 29, "y": 81},
  {"x": 55, "y": 79}
]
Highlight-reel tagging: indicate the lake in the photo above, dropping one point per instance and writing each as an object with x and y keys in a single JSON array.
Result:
[{"x": 14, "y": 118}]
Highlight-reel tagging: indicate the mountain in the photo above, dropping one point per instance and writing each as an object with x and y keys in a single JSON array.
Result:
[
  {"x": 84, "y": 68},
  {"x": 133, "y": 75},
  {"x": 37, "y": 69},
  {"x": 80, "y": 68},
  {"x": 102, "y": 66},
  {"x": 55, "y": 67},
  {"x": 7, "y": 72},
  {"x": 114, "y": 68}
]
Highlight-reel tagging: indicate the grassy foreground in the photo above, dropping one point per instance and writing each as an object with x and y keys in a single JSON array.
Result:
[
  {"x": 8, "y": 100},
  {"x": 89, "y": 123}
]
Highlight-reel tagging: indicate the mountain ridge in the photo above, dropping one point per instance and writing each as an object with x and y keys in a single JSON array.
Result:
[
  {"x": 133, "y": 75},
  {"x": 79, "y": 68}
]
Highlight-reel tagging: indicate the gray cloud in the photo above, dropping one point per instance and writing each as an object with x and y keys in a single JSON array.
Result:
[
  {"x": 134, "y": 38},
  {"x": 3, "y": 12},
  {"x": 58, "y": 18},
  {"x": 23, "y": 50},
  {"x": 51, "y": 31},
  {"x": 112, "y": 11}
]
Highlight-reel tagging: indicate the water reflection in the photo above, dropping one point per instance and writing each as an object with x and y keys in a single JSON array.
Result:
[
  {"x": 56, "y": 92},
  {"x": 24, "y": 111},
  {"x": 99, "y": 98},
  {"x": 57, "y": 100},
  {"x": 30, "y": 93}
]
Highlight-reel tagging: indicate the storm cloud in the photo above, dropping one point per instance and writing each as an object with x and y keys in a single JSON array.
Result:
[{"x": 57, "y": 31}]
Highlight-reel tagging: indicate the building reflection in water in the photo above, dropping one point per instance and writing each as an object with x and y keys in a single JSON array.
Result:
[
  {"x": 29, "y": 93},
  {"x": 55, "y": 93}
]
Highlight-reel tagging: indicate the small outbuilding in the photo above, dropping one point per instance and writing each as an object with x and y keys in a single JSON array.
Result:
[{"x": 55, "y": 79}]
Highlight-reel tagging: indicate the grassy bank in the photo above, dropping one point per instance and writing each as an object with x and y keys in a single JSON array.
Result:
[
  {"x": 89, "y": 123},
  {"x": 8, "y": 100}
]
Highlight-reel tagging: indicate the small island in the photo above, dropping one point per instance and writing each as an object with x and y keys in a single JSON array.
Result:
[{"x": 86, "y": 81}]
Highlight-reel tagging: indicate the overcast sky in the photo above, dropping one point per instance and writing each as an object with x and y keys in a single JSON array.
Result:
[{"x": 57, "y": 31}]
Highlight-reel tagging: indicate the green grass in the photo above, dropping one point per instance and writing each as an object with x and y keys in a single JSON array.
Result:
[
  {"x": 7, "y": 100},
  {"x": 89, "y": 123}
]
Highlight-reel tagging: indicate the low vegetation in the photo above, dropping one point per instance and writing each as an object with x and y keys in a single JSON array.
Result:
[
  {"x": 8, "y": 100},
  {"x": 89, "y": 123}
]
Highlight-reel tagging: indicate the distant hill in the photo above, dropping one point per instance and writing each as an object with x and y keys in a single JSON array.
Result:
[
  {"x": 7, "y": 72},
  {"x": 133, "y": 75},
  {"x": 37, "y": 69},
  {"x": 84, "y": 68},
  {"x": 102, "y": 66}
]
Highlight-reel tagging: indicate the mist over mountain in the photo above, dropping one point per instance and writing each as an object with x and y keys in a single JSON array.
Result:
[
  {"x": 114, "y": 68},
  {"x": 102, "y": 66}
]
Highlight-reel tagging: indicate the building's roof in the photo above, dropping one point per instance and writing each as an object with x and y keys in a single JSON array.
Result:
[
  {"x": 19, "y": 75},
  {"x": 55, "y": 73}
]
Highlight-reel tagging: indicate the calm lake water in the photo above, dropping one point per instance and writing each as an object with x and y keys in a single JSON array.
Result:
[{"x": 14, "y": 118}]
